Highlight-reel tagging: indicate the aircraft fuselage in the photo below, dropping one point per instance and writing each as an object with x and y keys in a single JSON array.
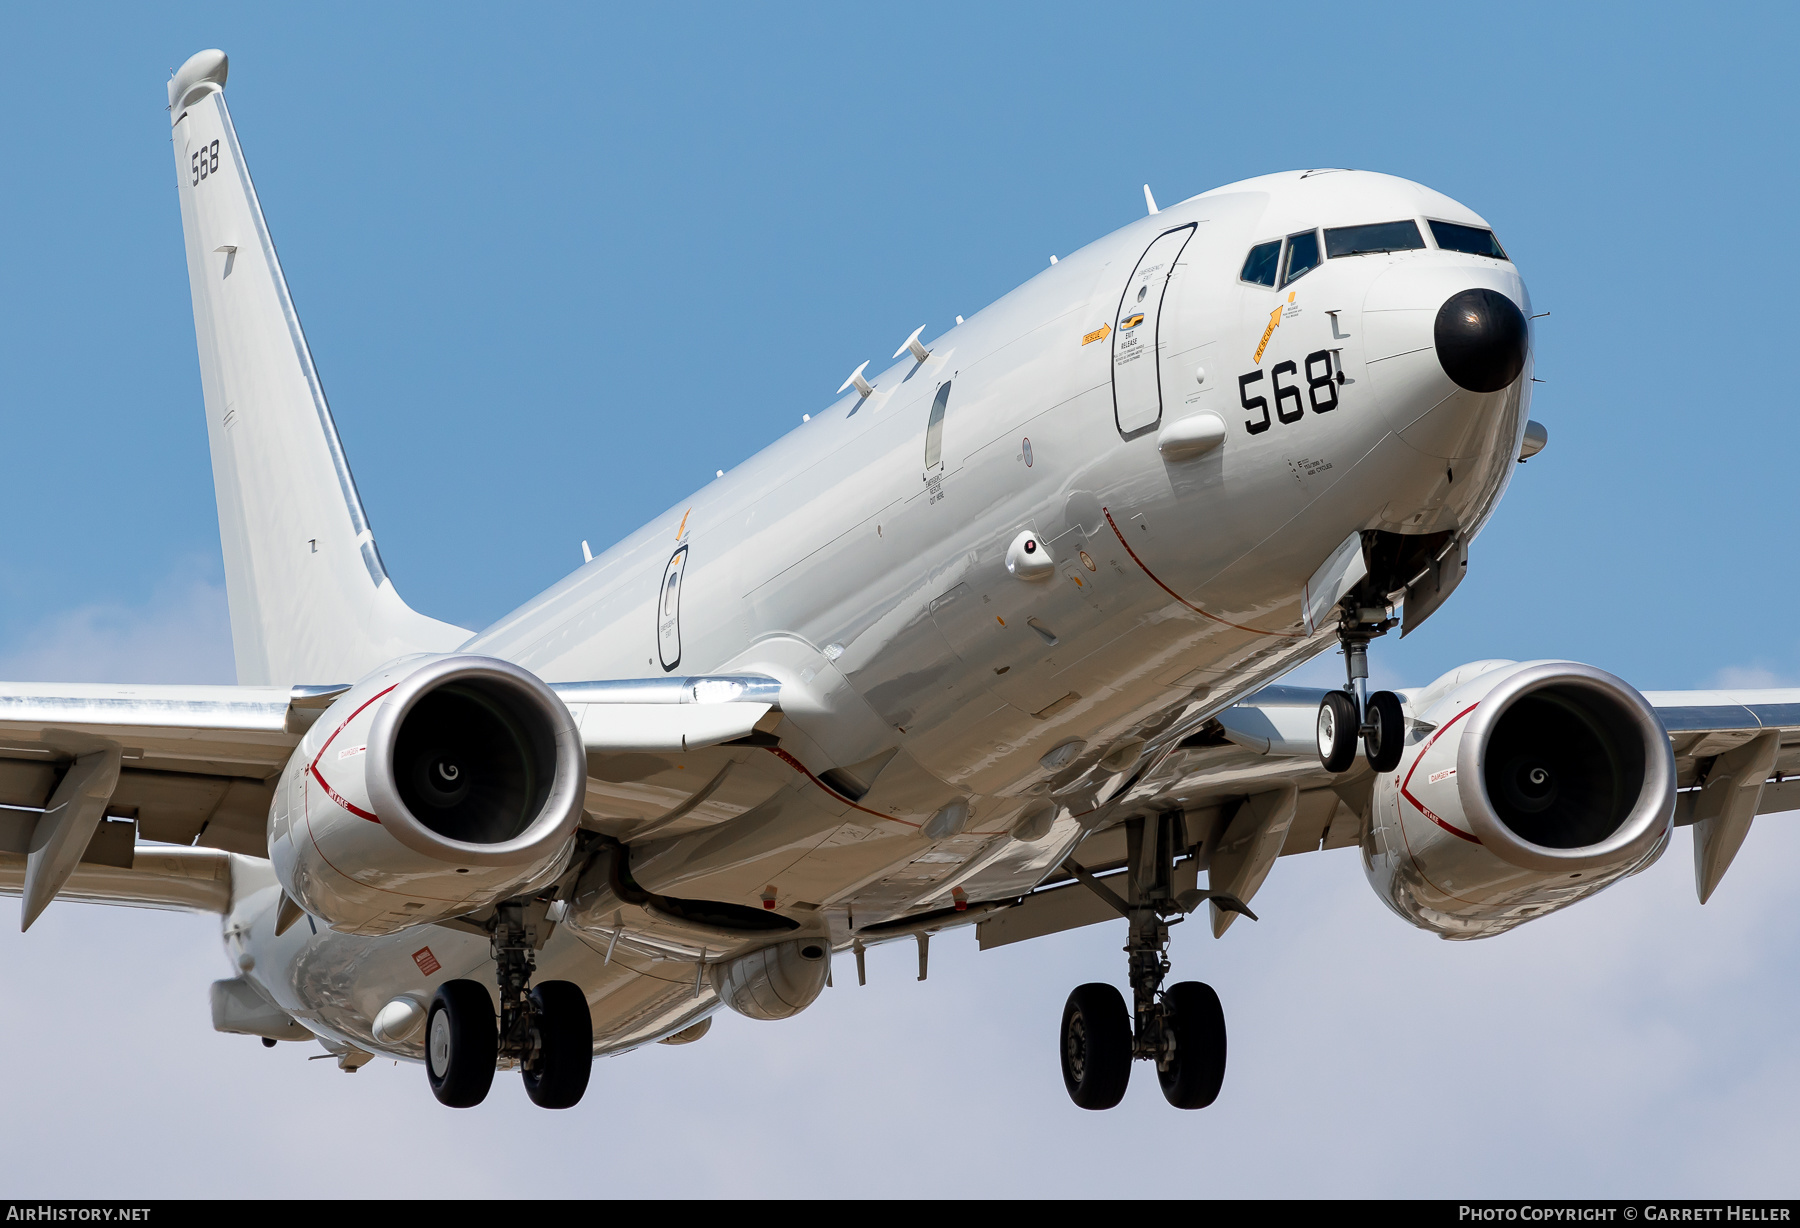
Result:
[{"x": 872, "y": 561}]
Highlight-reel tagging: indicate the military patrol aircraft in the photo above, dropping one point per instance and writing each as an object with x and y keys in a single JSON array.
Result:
[{"x": 992, "y": 640}]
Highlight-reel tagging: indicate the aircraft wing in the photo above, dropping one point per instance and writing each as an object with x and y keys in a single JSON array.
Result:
[
  {"x": 1707, "y": 727},
  {"x": 195, "y": 764},
  {"x": 88, "y": 771},
  {"x": 1250, "y": 789},
  {"x": 1268, "y": 740}
]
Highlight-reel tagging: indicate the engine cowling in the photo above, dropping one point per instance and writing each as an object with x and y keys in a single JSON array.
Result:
[
  {"x": 1523, "y": 788},
  {"x": 426, "y": 791}
]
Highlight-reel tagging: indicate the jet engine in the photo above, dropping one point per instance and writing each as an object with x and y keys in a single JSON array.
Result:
[
  {"x": 1523, "y": 788},
  {"x": 431, "y": 789}
]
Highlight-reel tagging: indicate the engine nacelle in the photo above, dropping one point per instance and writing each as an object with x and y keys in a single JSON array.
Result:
[
  {"x": 431, "y": 789},
  {"x": 1523, "y": 788}
]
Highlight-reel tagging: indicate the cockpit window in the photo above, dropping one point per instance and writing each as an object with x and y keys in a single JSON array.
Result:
[
  {"x": 1302, "y": 256},
  {"x": 1260, "y": 265},
  {"x": 1471, "y": 239},
  {"x": 1366, "y": 240}
]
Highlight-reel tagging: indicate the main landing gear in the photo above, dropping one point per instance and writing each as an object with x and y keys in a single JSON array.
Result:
[
  {"x": 1353, "y": 713},
  {"x": 547, "y": 1030},
  {"x": 1181, "y": 1028}
]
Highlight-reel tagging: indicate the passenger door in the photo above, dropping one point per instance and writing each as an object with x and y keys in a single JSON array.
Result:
[{"x": 1137, "y": 341}]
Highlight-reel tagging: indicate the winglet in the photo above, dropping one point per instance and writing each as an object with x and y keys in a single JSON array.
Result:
[{"x": 862, "y": 385}]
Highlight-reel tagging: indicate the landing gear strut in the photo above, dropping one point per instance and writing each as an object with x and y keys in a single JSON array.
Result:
[
  {"x": 1351, "y": 714},
  {"x": 547, "y": 1030},
  {"x": 1182, "y": 1028}
]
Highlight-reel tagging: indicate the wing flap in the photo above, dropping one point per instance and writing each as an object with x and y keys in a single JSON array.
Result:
[
  {"x": 183, "y": 879},
  {"x": 186, "y": 808}
]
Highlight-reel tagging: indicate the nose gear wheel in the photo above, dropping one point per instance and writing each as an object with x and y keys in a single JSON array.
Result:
[
  {"x": 1384, "y": 732},
  {"x": 1351, "y": 714},
  {"x": 1337, "y": 731}
]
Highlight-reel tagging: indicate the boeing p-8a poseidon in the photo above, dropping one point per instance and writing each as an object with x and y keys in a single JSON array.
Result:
[{"x": 989, "y": 641}]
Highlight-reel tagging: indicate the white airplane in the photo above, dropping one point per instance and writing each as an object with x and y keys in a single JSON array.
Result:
[{"x": 989, "y": 641}]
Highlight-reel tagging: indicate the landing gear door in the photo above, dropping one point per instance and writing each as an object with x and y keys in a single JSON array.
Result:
[{"x": 1137, "y": 342}]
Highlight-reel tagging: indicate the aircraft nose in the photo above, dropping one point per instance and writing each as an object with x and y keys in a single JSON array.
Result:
[{"x": 1481, "y": 339}]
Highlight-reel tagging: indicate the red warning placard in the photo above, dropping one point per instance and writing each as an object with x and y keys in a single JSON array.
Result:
[{"x": 427, "y": 962}]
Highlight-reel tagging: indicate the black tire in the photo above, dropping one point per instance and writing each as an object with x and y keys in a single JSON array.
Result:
[
  {"x": 461, "y": 1044},
  {"x": 558, "y": 1076},
  {"x": 1387, "y": 731},
  {"x": 1192, "y": 1012},
  {"x": 1337, "y": 731},
  {"x": 1096, "y": 1046}
]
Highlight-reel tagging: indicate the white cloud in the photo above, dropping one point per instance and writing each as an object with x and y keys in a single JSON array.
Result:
[
  {"x": 182, "y": 633},
  {"x": 1747, "y": 677}
]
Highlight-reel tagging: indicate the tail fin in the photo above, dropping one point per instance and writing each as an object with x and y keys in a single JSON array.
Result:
[{"x": 310, "y": 599}]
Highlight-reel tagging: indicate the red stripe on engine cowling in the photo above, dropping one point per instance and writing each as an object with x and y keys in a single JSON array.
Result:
[
  {"x": 1405, "y": 785},
  {"x": 324, "y": 784}
]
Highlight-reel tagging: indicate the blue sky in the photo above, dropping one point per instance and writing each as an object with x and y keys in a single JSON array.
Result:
[{"x": 559, "y": 264}]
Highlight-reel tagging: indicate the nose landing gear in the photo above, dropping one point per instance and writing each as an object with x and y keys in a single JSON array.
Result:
[
  {"x": 1182, "y": 1028},
  {"x": 548, "y": 1031},
  {"x": 1352, "y": 713}
]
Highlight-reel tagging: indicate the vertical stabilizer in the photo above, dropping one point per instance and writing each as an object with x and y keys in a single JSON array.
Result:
[{"x": 310, "y": 599}]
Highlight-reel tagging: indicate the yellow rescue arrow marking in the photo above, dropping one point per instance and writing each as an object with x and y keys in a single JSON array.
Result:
[
  {"x": 1274, "y": 323},
  {"x": 1274, "y": 320},
  {"x": 1099, "y": 334}
]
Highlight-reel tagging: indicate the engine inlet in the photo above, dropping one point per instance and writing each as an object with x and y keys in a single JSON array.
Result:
[
  {"x": 1565, "y": 767},
  {"x": 475, "y": 761}
]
